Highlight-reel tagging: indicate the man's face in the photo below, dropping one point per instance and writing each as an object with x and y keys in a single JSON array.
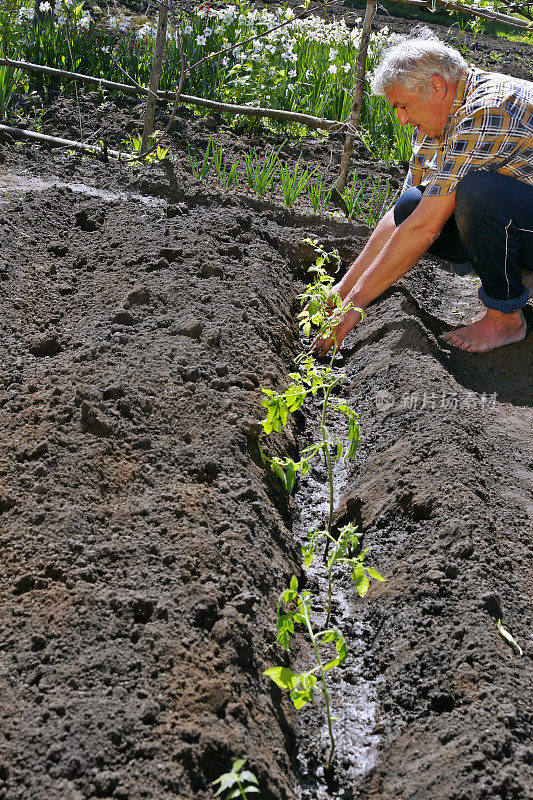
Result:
[{"x": 426, "y": 111}]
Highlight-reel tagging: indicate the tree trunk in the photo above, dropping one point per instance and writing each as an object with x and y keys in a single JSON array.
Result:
[
  {"x": 355, "y": 113},
  {"x": 155, "y": 75}
]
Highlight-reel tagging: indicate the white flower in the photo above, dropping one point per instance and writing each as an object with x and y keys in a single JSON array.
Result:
[
  {"x": 291, "y": 73},
  {"x": 106, "y": 50},
  {"x": 291, "y": 87},
  {"x": 347, "y": 67},
  {"x": 44, "y": 7},
  {"x": 61, "y": 19},
  {"x": 26, "y": 13},
  {"x": 201, "y": 40},
  {"x": 112, "y": 22},
  {"x": 333, "y": 54},
  {"x": 207, "y": 31},
  {"x": 145, "y": 30},
  {"x": 85, "y": 22},
  {"x": 124, "y": 25},
  {"x": 333, "y": 69},
  {"x": 187, "y": 29}
]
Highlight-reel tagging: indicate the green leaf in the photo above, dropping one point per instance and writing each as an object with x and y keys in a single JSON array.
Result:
[
  {"x": 267, "y": 425},
  {"x": 308, "y": 554},
  {"x": 249, "y": 776},
  {"x": 509, "y": 638},
  {"x": 340, "y": 450},
  {"x": 341, "y": 650},
  {"x": 300, "y": 697},
  {"x": 375, "y": 574},
  {"x": 283, "y": 677},
  {"x": 290, "y": 476},
  {"x": 226, "y": 781},
  {"x": 353, "y": 438},
  {"x": 294, "y": 583},
  {"x": 278, "y": 471},
  {"x": 362, "y": 584}
]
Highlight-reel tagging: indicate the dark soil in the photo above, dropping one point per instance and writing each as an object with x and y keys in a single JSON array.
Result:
[{"x": 144, "y": 544}]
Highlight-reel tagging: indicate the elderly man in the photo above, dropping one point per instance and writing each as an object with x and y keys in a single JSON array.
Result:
[{"x": 468, "y": 195}]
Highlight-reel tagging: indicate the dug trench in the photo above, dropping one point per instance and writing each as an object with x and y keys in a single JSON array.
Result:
[{"x": 144, "y": 544}]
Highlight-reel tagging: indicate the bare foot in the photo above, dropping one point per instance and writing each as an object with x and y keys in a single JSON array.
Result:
[{"x": 493, "y": 330}]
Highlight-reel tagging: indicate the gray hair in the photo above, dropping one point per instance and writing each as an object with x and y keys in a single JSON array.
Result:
[{"x": 413, "y": 61}]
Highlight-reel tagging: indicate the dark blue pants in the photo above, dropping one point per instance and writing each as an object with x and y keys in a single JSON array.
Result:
[{"x": 492, "y": 227}]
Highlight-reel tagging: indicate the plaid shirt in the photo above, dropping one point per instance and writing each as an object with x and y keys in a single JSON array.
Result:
[{"x": 490, "y": 126}]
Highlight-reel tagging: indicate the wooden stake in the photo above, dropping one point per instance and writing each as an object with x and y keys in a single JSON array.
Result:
[
  {"x": 353, "y": 120},
  {"x": 155, "y": 75}
]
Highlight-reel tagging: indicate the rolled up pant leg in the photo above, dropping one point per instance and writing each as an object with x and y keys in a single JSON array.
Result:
[{"x": 494, "y": 216}]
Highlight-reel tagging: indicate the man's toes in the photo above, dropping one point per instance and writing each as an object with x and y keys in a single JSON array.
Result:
[
  {"x": 454, "y": 338},
  {"x": 459, "y": 343}
]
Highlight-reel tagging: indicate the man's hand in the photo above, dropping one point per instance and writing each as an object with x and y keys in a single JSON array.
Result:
[{"x": 321, "y": 347}]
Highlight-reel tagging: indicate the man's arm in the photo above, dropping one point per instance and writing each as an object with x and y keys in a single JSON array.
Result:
[
  {"x": 381, "y": 235},
  {"x": 398, "y": 254}
]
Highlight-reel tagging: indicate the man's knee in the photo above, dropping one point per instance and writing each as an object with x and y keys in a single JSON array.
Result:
[{"x": 406, "y": 204}]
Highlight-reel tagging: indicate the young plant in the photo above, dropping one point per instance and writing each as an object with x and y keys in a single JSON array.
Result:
[
  {"x": 227, "y": 177},
  {"x": 318, "y": 196},
  {"x": 201, "y": 168},
  {"x": 260, "y": 173},
  {"x": 343, "y": 552},
  {"x": 293, "y": 185},
  {"x": 378, "y": 204},
  {"x": 324, "y": 312},
  {"x": 134, "y": 146},
  {"x": 352, "y": 195},
  {"x": 294, "y": 608},
  {"x": 245, "y": 781}
]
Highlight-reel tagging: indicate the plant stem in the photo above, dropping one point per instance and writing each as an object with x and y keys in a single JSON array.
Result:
[
  {"x": 325, "y": 444},
  {"x": 336, "y": 545},
  {"x": 327, "y": 453},
  {"x": 324, "y": 684}
]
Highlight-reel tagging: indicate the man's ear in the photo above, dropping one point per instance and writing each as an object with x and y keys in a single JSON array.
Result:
[{"x": 439, "y": 86}]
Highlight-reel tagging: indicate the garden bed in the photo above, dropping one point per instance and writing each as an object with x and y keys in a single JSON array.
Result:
[{"x": 144, "y": 543}]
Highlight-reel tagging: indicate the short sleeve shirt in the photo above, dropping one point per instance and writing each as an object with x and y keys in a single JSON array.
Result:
[{"x": 490, "y": 126}]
